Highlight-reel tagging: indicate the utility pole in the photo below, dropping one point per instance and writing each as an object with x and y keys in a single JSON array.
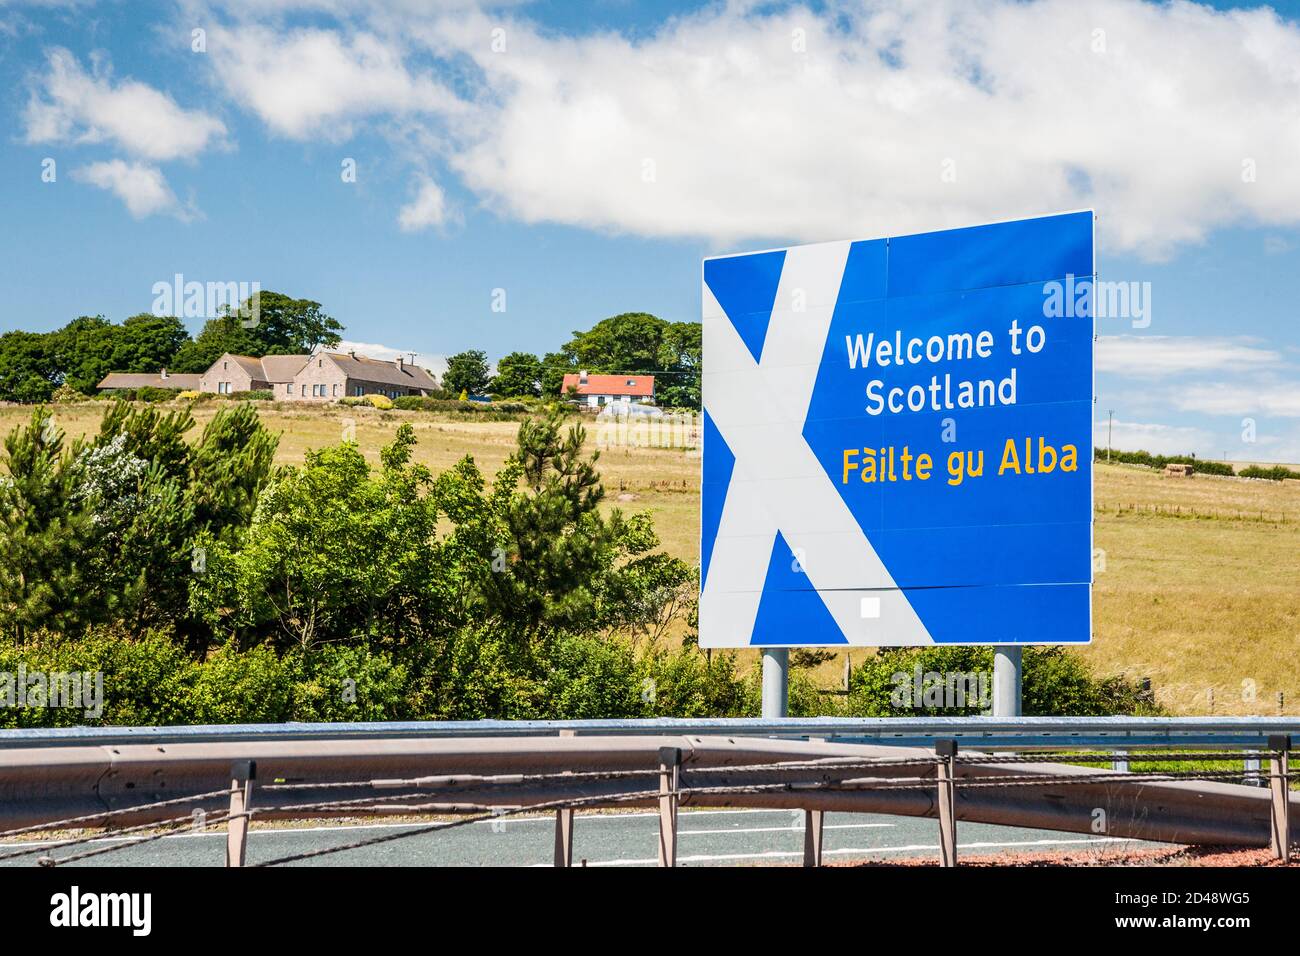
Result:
[{"x": 1110, "y": 428}]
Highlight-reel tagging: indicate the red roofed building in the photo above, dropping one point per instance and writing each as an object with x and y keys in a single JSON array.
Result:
[{"x": 597, "y": 390}]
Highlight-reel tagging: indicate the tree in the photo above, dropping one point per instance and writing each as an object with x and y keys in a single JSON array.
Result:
[
  {"x": 335, "y": 551},
  {"x": 148, "y": 342},
  {"x": 518, "y": 374},
  {"x": 29, "y": 367},
  {"x": 467, "y": 372},
  {"x": 84, "y": 350},
  {"x": 41, "y": 530},
  {"x": 635, "y": 343},
  {"x": 274, "y": 324},
  {"x": 566, "y": 568}
]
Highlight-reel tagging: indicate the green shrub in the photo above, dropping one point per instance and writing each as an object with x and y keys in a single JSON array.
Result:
[
  {"x": 689, "y": 683},
  {"x": 235, "y": 687},
  {"x": 254, "y": 395},
  {"x": 1274, "y": 473},
  {"x": 1199, "y": 465},
  {"x": 590, "y": 678},
  {"x": 341, "y": 683},
  {"x": 1055, "y": 682}
]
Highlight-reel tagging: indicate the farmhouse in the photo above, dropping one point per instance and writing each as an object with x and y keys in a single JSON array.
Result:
[
  {"x": 596, "y": 390},
  {"x": 243, "y": 373},
  {"x": 115, "y": 381},
  {"x": 323, "y": 377},
  {"x": 329, "y": 376}
]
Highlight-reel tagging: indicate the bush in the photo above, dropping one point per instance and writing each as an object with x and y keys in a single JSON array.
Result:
[
  {"x": 189, "y": 395},
  {"x": 66, "y": 395},
  {"x": 1055, "y": 682},
  {"x": 689, "y": 683},
  {"x": 234, "y": 687},
  {"x": 1275, "y": 473},
  {"x": 337, "y": 682},
  {"x": 147, "y": 680},
  {"x": 1199, "y": 466},
  {"x": 590, "y": 678},
  {"x": 483, "y": 411},
  {"x": 254, "y": 395}
]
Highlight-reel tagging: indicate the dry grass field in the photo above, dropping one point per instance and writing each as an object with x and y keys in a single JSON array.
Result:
[{"x": 1200, "y": 590}]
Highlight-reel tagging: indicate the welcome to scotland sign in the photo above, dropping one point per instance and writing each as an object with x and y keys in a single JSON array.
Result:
[{"x": 898, "y": 440}]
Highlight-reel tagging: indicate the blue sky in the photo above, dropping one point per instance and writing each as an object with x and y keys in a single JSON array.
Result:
[{"x": 583, "y": 158}]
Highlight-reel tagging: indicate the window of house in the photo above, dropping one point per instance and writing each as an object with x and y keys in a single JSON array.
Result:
[
  {"x": 303, "y": 393},
  {"x": 336, "y": 391},
  {"x": 361, "y": 390},
  {"x": 288, "y": 389}
]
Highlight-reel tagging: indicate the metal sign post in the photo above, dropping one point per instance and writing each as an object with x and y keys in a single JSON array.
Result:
[
  {"x": 1006, "y": 681},
  {"x": 776, "y": 682}
]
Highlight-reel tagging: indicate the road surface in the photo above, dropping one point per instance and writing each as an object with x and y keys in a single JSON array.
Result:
[{"x": 706, "y": 838}]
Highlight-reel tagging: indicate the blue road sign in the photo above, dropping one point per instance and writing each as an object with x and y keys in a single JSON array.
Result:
[{"x": 898, "y": 440}]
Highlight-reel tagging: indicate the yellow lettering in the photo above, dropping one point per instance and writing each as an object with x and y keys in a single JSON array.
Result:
[{"x": 1010, "y": 458}]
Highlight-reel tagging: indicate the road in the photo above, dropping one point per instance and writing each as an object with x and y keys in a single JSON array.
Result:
[{"x": 707, "y": 838}]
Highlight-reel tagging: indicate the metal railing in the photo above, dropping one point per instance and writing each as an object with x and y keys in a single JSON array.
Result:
[{"x": 148, "y": 782}]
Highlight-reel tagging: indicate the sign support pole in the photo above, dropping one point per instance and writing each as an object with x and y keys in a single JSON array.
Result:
[
  {"x": 1006, "y": 681},
  {"x": 776, "y": 682}
]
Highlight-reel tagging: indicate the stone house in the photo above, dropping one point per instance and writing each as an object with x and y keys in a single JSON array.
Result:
[
  {"x": 329, "y": 376},
  {"x": 243, "y": 373}
]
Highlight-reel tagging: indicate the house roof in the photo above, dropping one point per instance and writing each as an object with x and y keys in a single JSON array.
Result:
[
  {"x": 637, "y": 385},
  {"x": 181, "y": 380},
  {"x": 385, "y": 373},
  {"x": 274, "y": 369},
  {"x": 279, "y": 369}
]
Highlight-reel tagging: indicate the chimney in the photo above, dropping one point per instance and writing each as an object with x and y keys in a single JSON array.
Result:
[
  {"x": 582, "y": 377},
  {"x": 400, "y": 366},
  {"x": 353, "y": 353}
]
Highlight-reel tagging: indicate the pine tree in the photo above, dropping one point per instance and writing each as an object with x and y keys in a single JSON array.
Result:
[{"x": 41, "y": 530}]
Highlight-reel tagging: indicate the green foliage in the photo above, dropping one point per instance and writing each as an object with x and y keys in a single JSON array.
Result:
[
  {"x": 42, "y": 528},
  {"x": 1273, "y": 473},
  {"x": 634, "y": 343},
  {"x": 518, "y": 374},
  {"x": 254, "y": 395},
  {"x": 1199, "y": 465},
  {"x": 467, "y": 372},
  {"x": 283, "y": 326},
  {"x": 253, "y": 686},
  {"x": 29, "y": 367},
  {"x": 1055, "y": 682}
]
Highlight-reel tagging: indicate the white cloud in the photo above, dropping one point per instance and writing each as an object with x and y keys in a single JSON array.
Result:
[
  {"x": 1160, "y": 355},
  {"x": 317, "y": 82},
  {"x": 69, "y": 105},
  {"x": 1156, "y": 438},
  {"x": 428, "y": 208},
  {"x": 141, "y": 187},
  {"x": 436, "y": 364},
  {"x": 747, "y": 137},
  {"x": 741, "y": 122},
  {"x": 1281, "y": 399}
]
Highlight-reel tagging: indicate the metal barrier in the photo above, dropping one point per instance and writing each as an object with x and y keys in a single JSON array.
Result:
[
  {"x": 987, "y": 733},
  {"x": 148, "y": 782}
]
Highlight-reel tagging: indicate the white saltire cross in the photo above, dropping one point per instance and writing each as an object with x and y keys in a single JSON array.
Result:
[{"x": 777, "y": 483}]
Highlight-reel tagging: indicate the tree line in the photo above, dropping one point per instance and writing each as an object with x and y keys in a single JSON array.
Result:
[{"x": 72, "y": 360}]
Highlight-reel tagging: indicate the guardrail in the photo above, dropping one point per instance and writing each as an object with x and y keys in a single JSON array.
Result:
[
  {"x": 986, "y": 733},
  {"x": 147, "y": 782}
]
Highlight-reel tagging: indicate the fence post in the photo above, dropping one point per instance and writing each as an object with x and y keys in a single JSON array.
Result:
[
  {"x": 564, "y": 828},
  {"x": 670, "y": 762},
  {"x": 947, "y": 753},
  {"x": 812, "y": 837},
  {"x": 1119, "y": 761},
  {"x": 241, "y": 797},
  {"x": 1280, "y": 784}
]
